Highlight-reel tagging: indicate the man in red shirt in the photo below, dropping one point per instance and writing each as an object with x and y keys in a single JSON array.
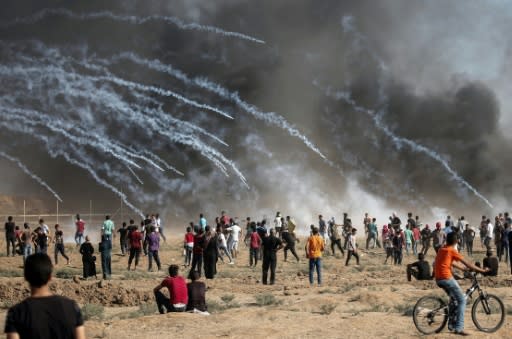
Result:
[
  {"x": 135, "y": 238},
  {"x": 80, "y": 229},
  {"x": 178, "y": 292}
]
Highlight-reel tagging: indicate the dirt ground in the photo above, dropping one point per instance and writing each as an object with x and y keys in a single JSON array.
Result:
[{"x": 367, "y": 301}]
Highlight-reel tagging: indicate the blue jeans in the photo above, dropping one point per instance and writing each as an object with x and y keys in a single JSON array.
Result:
[
  {"x": 452, "y": 288},
  {"x": 315, "y": 262},
  {"x": 27, "y": 250},
  {"x": 408, "y": 247},
  {"x": 415, "y": 247},
  {"x": 79, "y": 238}
]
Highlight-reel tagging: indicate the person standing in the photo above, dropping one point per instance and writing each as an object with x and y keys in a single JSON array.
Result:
[
  {"x": 159, "y": 227},
  {"x": 469, "y": 236},
  {"x": 416, "y": 238},
  {"x": 210, "y": 253},
  {"x": 334, "y": 235},
  {"x": 59, "y": 244},
  {"x": 289, "y": 240},
  {"x": 222, "y": 246},
  {"x": 202, "y": 221},
  {"x": 135, "y": 239},
  {"x": 408, "y": 239},
  {"x": 88, "y": 260},
  {"x": 254, "y": 247},
  {"x": 188, "y": 244},
  {"x": 107, "y": 229},
  {"x": 42, "y": 241},
  {"x": 43, "y": 315},
  {"x": 10, "y": 235},
  {"x": 79, "y": 230},
  {"x": 373, "y": 234},
  {"x": 438, "y": 236},
  {"x": 105, "y": 249},
  {"x": 27, "y": 237},
  {"x": 271, "y": 244},
  {"x": 398, "y": 246},
  {"x": 314, "y": 249},
  {"x": 235, "y": 232},
  {"x": 123, "y": 234},
  {"x": 178, "y": 294},
  {"x": 278, "y": 224},
  {"x": 153, "y": 248},
  {"x": 352, "y": 247},
  {"x": 426, "y": 236},
  {"x": 198, "y": 251}
]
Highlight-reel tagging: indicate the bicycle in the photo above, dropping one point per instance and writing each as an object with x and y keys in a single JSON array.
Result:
[{"x": 431, "y": 313}]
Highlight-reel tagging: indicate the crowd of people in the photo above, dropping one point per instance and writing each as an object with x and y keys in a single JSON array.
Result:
[{"x": 204, "y": 245}]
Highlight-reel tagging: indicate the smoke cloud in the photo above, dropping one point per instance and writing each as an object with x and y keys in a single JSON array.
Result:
[{"x": 178, "y": 106}]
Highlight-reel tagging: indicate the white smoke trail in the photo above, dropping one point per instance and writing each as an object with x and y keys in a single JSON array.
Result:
[
  {"x": 21, "y": 114},
  {"x": 38, "y": 16},
  {"x": 271, "y": 118},
  {"x": 400, "y": 141},
  {"x": 30, "y": 174},
  {"x": 360, "y": 41},
  {"x": 134, "y": 175}
]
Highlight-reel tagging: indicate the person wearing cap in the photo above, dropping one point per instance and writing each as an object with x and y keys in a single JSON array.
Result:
[
  {"x": 491, "y": 262},
  {"x": 314, "y": 249},
  {"x": 439, "y": 237}
]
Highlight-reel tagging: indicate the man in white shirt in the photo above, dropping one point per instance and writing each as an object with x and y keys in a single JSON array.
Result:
[
  {"x": 278, "y": 224},
  {"x": 489, "y": 235},
  {"x": 234, "y": 236}
]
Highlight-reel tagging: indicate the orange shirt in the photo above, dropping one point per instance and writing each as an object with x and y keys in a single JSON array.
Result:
[
  {"x": 443, "y": 265},
  {"x": 315, "y": 246}
]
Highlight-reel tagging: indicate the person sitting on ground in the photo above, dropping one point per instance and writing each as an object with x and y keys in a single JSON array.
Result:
[
  {"x": 43, "y": 315},
  {"x": 491, "y": 262},
  {"x": 196, "y": 293},
  {"x": 419, "y": 269},
  {"x": 448, "y": 256},
  {"x": 178, "y": 294}
]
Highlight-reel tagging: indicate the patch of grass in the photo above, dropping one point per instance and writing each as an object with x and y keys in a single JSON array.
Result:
[
  {"x": 327, "y": 309},
  {"x": 10, "y": 273},
  {"x": 376, "y": 308},
  {"x": 6, "y": 304},
  {"x": 359, "y": 268},
  {"x": 326, "y": 291},
  {"x": 266, "y": 299},
  {"x": 394, "y": 289},
  {"x": 357, "y": 297},
  {"x": 405, "y": 309},
  {"x": 135, "y": 275},
  {"x": 227, "y": 298},
  {"x": 347, "y": 287},
  {"x": 215, "y": 306},
  {"x": 67, "y": 273},
  {"x": 93, "y": 311},
  {"x": 147, "y": 309},
  {"x": 509, "y": 309}
]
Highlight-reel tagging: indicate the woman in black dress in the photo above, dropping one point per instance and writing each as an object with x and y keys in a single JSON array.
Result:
[
  {"x": 210, "y": 254},
  {"x": 88, "y": 260}
]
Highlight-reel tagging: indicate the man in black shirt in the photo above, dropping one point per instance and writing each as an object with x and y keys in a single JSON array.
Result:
[
  {"x": 271, "y": 244},
  {"x": 43, "y": 315},
  {"x": 419, "y": 269},
  {"x": 123, "y": 232},
  {"x": 491, "y": 262},
  {"x": 10, "y": 235}
]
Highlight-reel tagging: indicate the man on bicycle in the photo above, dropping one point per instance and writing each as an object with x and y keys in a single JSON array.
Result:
[{"x": 447, "y": 256}]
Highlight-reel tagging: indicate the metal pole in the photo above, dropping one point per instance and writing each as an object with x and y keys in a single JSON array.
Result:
[
  {"x": 122, "y": 216},
  {"x": 90, "y": 213},
  {"x": 24, "y": 211},
  {"x": 57, "y": 211}
]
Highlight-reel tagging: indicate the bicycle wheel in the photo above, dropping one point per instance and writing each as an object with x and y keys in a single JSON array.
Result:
[
  {"x": 488, "y": 313},
  {"x": 430, "y": 315}
]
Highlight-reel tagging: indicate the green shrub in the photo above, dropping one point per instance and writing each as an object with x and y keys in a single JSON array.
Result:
[
  {"x": 266, "y": 299},
  {"x": 327, "y": 308}
]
